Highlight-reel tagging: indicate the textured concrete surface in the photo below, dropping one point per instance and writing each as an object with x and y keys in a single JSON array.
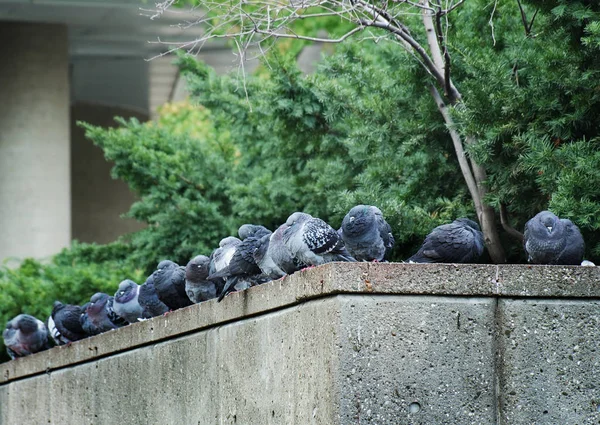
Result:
[
  {"x": 549, "y": 351},
  {"x": 339, "y": 344},
  {"x": 35, "y": 188}
]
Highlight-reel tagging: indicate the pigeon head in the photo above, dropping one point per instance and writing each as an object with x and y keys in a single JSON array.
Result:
[
  {"x": 549, "y": 221},
  {"x": 546, "y": 225},
  {"x": 248, "y": 230},
  {"x": 228, "y": 241},
  {"x": 166, "y": 264},
  {"x": 25, "y": 323},
  {"x": 359, "y": 219},
  {"x": 296, "y": 218},
  {"x": 197, "y": 269},
  {"x": 469, "y": 223},
  {"x": 128, "y": 289},
  {"x": 97, "y": 303}
]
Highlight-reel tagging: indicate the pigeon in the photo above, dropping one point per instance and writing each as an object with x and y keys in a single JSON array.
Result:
[
  {"x": 313, "y": 242},
  {"x": 149, "y": 301},
  {"x": 458, "y": 242},
  {"x": 25, "y": 335},
  {"x": 242, "y": 268},
  {"x": 366, "y": 234},
  {"x": 126, "y": 303},
  {"x": 197, "y": 285},
  {"x": 169, "y": 282},
  {"x": 64, "y": 324},
  {"x": 99, "y": 315},
  {"x": 247, "y": 230},
  {"x": 273, "y": 258},
  {"x": 550, "y": 240}
]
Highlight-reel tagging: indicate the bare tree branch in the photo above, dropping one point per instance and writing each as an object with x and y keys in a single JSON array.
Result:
[
  {"x": 526, "y": 25},
  {"x": 506, "y": 225}
]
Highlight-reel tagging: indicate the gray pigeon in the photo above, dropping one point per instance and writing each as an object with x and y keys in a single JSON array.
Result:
[
  {"x": 366, "y": 234},
  {"x": 169, "y": 282},
  {"x": 25, "y": 335},
  {"x": 149, "y": 301},
  {"x": 242, "y": 268},
  {"x": 274, "y": 258},
  {"x": 126, "y": 303},
  {"x": 64, "y": 324},
  {"x": 197, "y": 285},
  {"x": 99, "y": 315},
  {"x": 313, "y": 242},
  {"x": 550, "y": 240},
  {"x": 458, "y": 242}
]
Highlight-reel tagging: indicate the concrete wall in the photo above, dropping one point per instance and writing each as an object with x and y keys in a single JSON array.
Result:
[
  {"x": 98, "y": 200},
  {"x": 339, "y": 344},
  {"x": 35, "y": 189}
]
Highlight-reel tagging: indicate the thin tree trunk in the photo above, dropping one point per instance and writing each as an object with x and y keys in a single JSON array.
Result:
[{"x": 474, "y": 175}]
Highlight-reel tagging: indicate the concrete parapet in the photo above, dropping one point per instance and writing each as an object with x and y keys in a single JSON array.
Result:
[{"x": 339, "y": 344}]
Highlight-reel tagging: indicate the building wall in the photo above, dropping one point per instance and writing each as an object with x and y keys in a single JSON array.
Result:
[
  {"x": 35, "y": 189},
  {"x": 340, "y": 344}
]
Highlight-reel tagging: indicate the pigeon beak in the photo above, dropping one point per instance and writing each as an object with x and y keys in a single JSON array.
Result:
[
  {"x": 549, "y": 228},
  {"x": 352, "y": 219}
]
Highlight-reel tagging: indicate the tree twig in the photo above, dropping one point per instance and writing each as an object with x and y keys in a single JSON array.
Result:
[{"x": 506, "y": 225}]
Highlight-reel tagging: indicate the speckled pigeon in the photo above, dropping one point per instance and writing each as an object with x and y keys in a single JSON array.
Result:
[
  {"x": 550, "y": 240},
  {"x": 197, "y": 285},
  {"x": 312, "y": 241},
  {"x": 366, "y": 234},
  {"x": 242, "y": 267},
  {"x": 126, "y": 303},
  {"x": 99, "y": 315},
  {"x": 25, "y": 335},
  {"x": 169, "y": 282},
  {"x": 458, "y": 242},
  {"x": 64, "y": 324}
]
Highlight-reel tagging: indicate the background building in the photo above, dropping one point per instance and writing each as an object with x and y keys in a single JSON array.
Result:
[{"x": 62, "y": 61}]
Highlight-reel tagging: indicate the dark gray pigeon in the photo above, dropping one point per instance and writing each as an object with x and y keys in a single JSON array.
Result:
[
  {"x": 313, "y": 242},
  {"x": 247, "y": 230},
  {"x": 550, "y": 240},
  {"x": 169, "y": 282},
  {"x": 99, "y": 315},
  {"x": 126, "y": 303},
  {"x": 274, "y": 258},
  {"x": 242, "y": 271},
  {"x": 458, "y": 242},
  {"x": 197, "y": 285},
  {"x": 64, "y": 324},
  {"x": 25, "y": 335},
  {"x": 149, "y": 301},
  {"x": 366, "y": 234}
]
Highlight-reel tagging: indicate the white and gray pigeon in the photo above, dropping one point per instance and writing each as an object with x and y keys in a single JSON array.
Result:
[
  {"x": 197, "y": 285},
  {"x": 64, "y": 323},
  {"x": 242, "y": 268},
  {"x": 99, "y": 315},
  {"x": 313, "y": 242},
  {"x": 366, "y": 234},
  {"x": 550, "y": 240},
  {"x": 25, "y": 335},
  {"x": 458, "y": 242},
  {"x": 126, "y": 303},
  {"x": 169, "y": 282}
]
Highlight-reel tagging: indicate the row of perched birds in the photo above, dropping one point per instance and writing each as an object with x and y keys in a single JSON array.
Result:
[{"x": 259, "y": 255}]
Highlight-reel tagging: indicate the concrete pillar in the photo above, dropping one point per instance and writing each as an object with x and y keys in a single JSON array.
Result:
[{"x": 35, "y": 190}]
